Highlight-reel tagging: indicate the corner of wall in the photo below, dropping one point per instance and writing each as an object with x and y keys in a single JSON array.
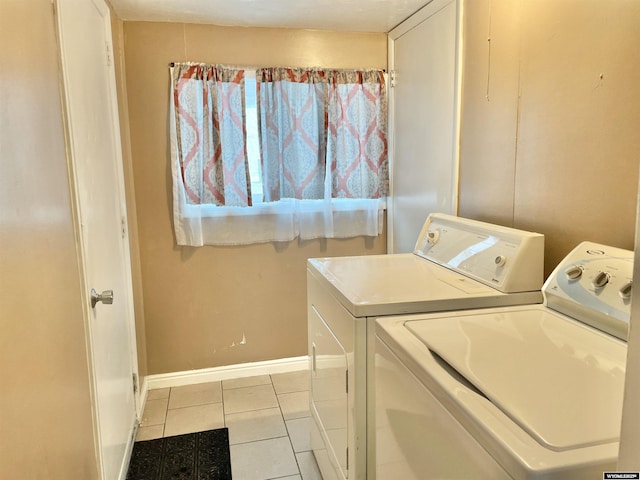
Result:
[{"x": 117, "y": 26}]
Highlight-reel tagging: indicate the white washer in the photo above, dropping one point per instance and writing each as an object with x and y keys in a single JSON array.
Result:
[
  {"x": 527, "y": 392},
  {"x": 457, "y": 264}
]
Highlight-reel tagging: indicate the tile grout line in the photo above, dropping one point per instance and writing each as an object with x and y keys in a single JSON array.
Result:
[
  {"x": 166, "y": 412},
  {"x": 224, "y": 411},
  {"x": 286, "y": 427}
]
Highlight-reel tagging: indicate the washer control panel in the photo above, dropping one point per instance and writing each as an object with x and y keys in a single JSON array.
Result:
[
  {"x": 507, "y": 259},
  {"x": 593, "y": 284}
]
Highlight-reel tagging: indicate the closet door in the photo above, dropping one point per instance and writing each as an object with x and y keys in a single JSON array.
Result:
[
  {"x": 425, "y": 82},
  {"x": 98, "y": 182}
]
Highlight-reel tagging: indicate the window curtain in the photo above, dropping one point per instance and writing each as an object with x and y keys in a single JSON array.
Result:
[
  {"x": 357, "y": 140},
  {"x": 208, "y": 148},
  {"x": 292, "y": 132},
  {"x": 317, "y": 128}
]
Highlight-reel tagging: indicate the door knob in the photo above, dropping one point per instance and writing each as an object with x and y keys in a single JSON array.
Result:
[{"x": 105, "y": 297}]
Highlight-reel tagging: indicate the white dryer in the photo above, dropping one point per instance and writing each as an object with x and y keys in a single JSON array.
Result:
[
  {"x": 457, "y": 264},
  {"x": 527, "y": 392}
]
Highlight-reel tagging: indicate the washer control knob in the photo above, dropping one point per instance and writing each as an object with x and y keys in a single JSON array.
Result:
[
  {"x": 433, "y": 237},
  {"x": 600, "y": 280},
  {"x": 573, "y": 273},
  {"x": 500, "y": 260},
  {"x": 625, "y": 290}
]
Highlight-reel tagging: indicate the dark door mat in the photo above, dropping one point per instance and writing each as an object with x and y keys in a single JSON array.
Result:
[{"x": 194, "y": 456}]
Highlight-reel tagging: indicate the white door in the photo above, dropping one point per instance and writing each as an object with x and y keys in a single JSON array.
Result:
[
  {"x": 96, "y": 166},
  {"x": 423, "y": 58}
]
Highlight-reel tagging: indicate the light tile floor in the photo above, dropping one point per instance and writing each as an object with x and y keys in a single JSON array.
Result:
[{"x": 267, "y": 417}]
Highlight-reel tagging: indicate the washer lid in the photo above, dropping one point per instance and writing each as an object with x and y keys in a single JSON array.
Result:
[{"x": 557, "y": 379}]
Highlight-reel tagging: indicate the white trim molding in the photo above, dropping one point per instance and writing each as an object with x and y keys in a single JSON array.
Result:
[{"x": 227, "y": 372}]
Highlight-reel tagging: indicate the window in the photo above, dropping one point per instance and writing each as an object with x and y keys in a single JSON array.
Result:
[
  {"x": 276, "y": 153},
  {"x": 253, "y": 137}
]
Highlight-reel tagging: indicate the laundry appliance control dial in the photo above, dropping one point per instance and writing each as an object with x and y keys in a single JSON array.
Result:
[
  {"x": 573, "y": 273},
  {"x": 601, "y": 279},
  {"x": 432, "y": 237},
  {"x": 625, "y": 290}
]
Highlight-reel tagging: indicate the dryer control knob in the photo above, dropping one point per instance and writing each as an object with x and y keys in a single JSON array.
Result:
[
  {"x": 625, "y": 290},
  {"x": 600, "y": 280},
  {"x": 573, "y": 273},
  {"x": 500, "y": 260},
  {"x": 433, "y": 237}
]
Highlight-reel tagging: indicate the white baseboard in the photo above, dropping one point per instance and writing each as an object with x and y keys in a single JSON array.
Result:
[{"x": 191, "y": 377}]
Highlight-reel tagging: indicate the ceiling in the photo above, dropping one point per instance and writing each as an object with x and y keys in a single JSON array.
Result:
[{"x": 341, "y": 15}]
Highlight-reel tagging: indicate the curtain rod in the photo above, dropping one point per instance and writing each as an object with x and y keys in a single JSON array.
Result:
[{"x": 384, "y": 70}]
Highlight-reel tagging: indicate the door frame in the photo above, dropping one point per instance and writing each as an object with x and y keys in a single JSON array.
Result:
[
  {"x": 427, "y": 11},
  {"x": 74, "y": 182}
]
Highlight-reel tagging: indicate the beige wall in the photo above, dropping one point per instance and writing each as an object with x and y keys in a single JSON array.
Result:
[
  {"x": 555, "y": 147},
  {"x": 46, "y": 428},
  {"x": 117, "y": 32},
  {"x": 212, "y": 306}
]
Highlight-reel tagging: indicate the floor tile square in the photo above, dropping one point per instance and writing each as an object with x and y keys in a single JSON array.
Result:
[
  {"x": 308, "y": 466},
  {"x": 263, "y": 460},
  {"x": 155, "y": 412},
  {"x": 194, "y": 419},
  {"x": 246, "y": 382},
  {"x": 298, "y": 430},
  {"x": 198, "y": 394},
  {"x": 255, "y": 425},
  {"x": 158, "y": 393},
  {"x": 149, "y": 433},
  {"x": 294, "y": 405},
  {"x": 291, "y": 381},
  {"x": 249, "y": 398}
]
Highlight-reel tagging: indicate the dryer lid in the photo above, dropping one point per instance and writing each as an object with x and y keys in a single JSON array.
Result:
[
  {"x": 559, "y": 380},
  {"x": 374, "y": 285}
]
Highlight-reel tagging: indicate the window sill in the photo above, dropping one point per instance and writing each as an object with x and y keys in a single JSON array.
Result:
[
  {"x": 282, "y": 207},
  {"x": 282, "y": 221}
]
